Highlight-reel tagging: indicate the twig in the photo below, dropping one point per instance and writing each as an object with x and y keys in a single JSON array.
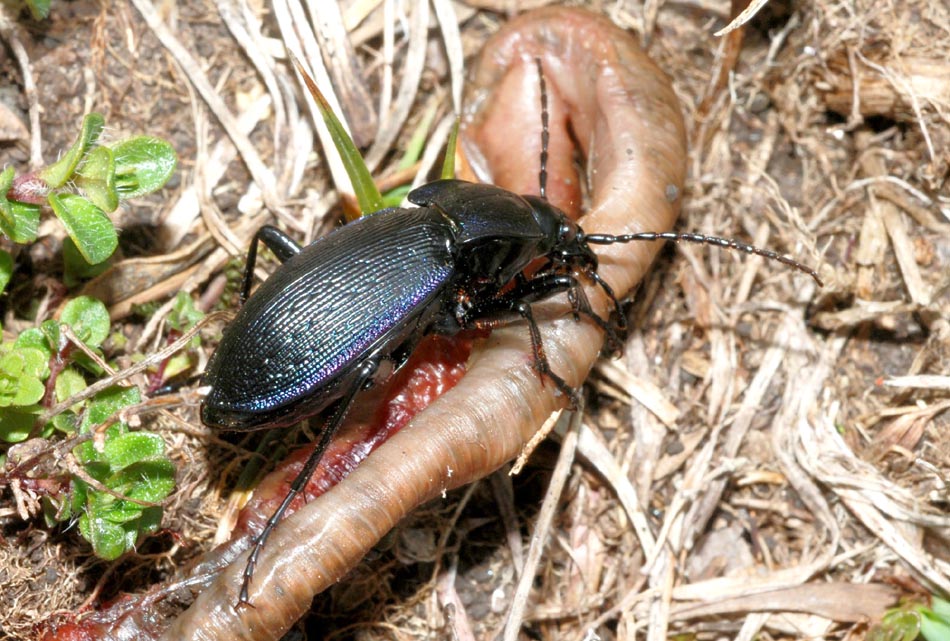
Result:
[
  {"x": 79, "y": 472},
  {"x": 142, "y": 365},
  {"x": 539, "y": 537},
  {"x": 9, "y": 31}
]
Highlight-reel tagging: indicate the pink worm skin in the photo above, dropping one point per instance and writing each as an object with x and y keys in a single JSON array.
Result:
[{"x": 626, "y": 119}]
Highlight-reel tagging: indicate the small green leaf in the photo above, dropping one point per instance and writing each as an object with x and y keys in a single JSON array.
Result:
[
  {"x": 86, "y": 451},
  {"x": 184, "y": 314},
  {"x": 176, "y": 365},
  {"x": 100, "y": 471},
  {"x": 149, "y": 481},
  {"x": 39, "y": 8},
  {"x": 35, "y": 338},
  {"x": 932, "y": 626},
  {"x": 29, "y": 392},
  {"x": 897, "y": 625},
  {"x": 15, "y": 425},
  {"x": 79, "y": 494},
  {"x": 121, "y": 512},
  {"x": 109, "y": 540},
  {"x": 88, "y": 318},
  {"x": 19, "y": 221},
  {"x": 68, "y": 384},
  {"x": 108, "y": 402},
  {"x": 145, "y": 481},
  {"x": 143, "y": 165},
  {"x": 84, "y": 361},
  {"x": 67, "y": 422},
  {"x": 940, "y": 607},
  {"x": 119, "y": 341},
  {"x": 33, "y": 362},
  {"x": 54, "y": 337},
  {"x": 25, "y": 361},
  {"x": 149, "y": 521},
  {"x": 88, "y": 226},
  {"x": 75, "y": 268},
  {"x": 133, "y": 447},
  {"x": 364, "y": 187},
  {"x": 113, "y": 525},
  {"x": 57, "y": 174},
  {"x": 96, "y": 179},
  {"x": 6, "y": 269},
  {"x": 20, "y": 373}
]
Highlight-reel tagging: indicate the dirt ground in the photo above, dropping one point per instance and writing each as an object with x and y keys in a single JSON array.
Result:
[{"x": 788, "y": 444}]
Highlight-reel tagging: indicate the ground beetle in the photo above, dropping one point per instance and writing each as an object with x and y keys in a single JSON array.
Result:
[{"x": 345, "y": 311}]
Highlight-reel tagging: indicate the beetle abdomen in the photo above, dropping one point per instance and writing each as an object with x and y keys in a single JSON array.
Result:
[{"x": 363, "y": 289}]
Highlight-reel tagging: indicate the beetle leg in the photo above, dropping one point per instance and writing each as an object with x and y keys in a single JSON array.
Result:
[
  {"x": 486, "y": 314},
  {"x": 541, "y": 363},
  {"x": 621, "y": 318},
  {"x": 581, "y": 306},
  {"x": 281, "y": 244},
  {"x": 366, "y": 371},
  {"x": 546, "y": 283}
]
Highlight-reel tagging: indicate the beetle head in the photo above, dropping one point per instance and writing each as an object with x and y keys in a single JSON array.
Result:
[{"x": 566, "y": 243}]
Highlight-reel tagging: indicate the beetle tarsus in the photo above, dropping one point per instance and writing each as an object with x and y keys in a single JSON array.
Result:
[
  {"x": 541, "y": 364},
  {"x": 614, "y": 333}
]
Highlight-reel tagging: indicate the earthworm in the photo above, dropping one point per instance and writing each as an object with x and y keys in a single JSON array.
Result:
[
  {"x": 607, "y": 97},
  {"x": 619, "y": 107}
]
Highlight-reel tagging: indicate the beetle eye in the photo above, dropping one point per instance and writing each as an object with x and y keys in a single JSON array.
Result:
[{"x": 568, "y": 232}]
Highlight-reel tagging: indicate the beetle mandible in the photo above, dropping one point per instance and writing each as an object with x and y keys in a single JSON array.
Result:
[{"x": 344, "y": 312}]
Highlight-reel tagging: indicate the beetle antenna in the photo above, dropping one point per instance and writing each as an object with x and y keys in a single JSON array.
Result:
[
  {"x": 545, "y": 134},
  {"x": 608, "y": 239}
]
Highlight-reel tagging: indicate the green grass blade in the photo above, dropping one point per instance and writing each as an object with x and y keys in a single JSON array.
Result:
[
  {"x": 367, "y": 195},
  {"x": 448, "y": 165}
]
